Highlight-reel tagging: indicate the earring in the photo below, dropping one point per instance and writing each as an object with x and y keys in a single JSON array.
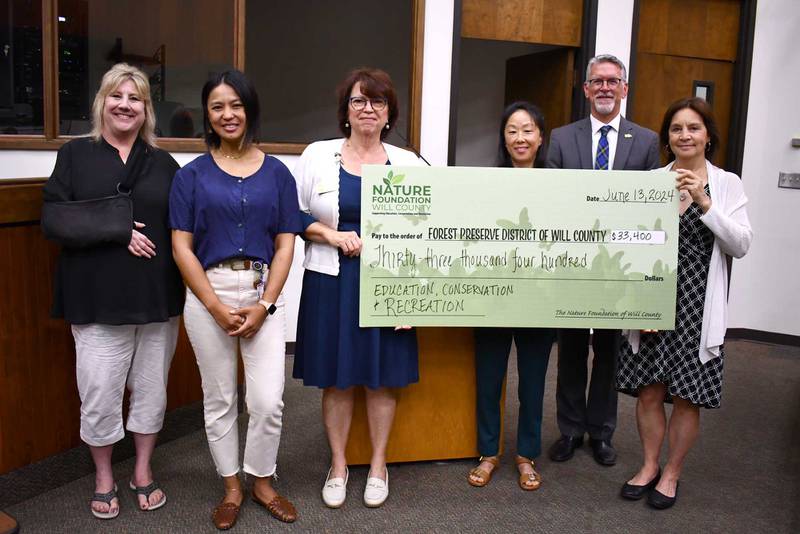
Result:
[
  {"x": 347, "y": 124},
  {"x": 667, "y": 148},
  {"x": 708, "y": 146},
  {"x": 387, "y": 126}
]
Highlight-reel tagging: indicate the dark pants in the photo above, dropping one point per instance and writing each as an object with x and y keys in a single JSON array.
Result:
[
  {"x": 578, "y": 414},
  {"x": 492, "y": 346}
]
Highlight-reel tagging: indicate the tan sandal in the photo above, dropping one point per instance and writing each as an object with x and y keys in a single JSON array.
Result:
[
  {"x": 528, "y": 481},
  {"x": 483, "y": 476}
]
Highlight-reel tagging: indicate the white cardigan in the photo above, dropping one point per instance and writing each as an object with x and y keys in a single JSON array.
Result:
[
  {"x": 317, "y": 175},
  {"x": 727, "y": 219}
]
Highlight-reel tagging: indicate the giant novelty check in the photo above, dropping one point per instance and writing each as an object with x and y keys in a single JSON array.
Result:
[{"x": 468, "y": 246}]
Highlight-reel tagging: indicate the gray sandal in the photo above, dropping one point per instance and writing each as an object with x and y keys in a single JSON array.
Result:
[
  {"x": 147, "y": 491},
  {"x": 105, "y": 498}
]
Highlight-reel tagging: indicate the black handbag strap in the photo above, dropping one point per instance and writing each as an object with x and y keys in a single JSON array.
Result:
[{"x": 133, "y": 167}]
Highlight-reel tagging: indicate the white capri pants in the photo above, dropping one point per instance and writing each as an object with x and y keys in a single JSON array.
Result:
[
  {"x": 108, "y": 357},
  {"x": 264, "y": 360}
]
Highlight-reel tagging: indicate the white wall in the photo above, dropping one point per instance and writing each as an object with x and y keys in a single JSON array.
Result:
[
  {"x": 26, "y": 163},
  {"x": 765, "y": 285},
  {"x": 614, "y": 29},
  {"x": 436, "y": 67}
]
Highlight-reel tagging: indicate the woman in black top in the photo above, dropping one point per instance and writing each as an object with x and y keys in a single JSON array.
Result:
[{"x": 123, "y": 295}]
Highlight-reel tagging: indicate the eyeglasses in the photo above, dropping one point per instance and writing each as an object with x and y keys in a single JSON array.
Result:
[
  {"x": 597, "y": 83},
  {"x": 359, "y": 102}
]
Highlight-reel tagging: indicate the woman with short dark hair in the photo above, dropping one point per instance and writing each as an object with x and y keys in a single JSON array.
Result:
[
  {"x": 234, "y": 217},
  {"x": 521, "y": 135},
  {"x": 684, "y": 366},
  {"x": 332, "y": 352}
]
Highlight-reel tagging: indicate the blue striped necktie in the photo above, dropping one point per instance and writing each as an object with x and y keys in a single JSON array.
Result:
[{"x": 601, "y": 159}]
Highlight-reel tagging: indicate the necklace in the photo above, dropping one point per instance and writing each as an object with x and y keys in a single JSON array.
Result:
[
  {"x": 354, "y": 152},
  {"x": 229, "y": 156}
]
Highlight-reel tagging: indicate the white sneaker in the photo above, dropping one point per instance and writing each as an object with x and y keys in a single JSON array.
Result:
[
  {"x": 377, "y": 491},
  {"x": 335, "y": 489}
]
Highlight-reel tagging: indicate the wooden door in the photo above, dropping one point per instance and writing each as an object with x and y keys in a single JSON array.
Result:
[
  {"x": 545, "y": 79},
  {"x": 682, "y": 42}
]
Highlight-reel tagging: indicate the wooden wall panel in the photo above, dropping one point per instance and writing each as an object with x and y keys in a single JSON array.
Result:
[
  {"x": 703, "y": 29},
  {"x": 38, "y": 398},
  {"x": 556, "y": 22},
  {"x": 669, "y": 78},
  {"x": 184, "y": 377},
  {"x": 39, "y": 404},
  {"x": 435, "y": 418},
  {"x": 21, "y": 201}
]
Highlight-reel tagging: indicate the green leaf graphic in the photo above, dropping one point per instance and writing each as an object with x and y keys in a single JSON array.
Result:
[
  {"x": 524, "y": 221},
  {"x": 415, "y": 219},
  {"x": 369, "y": 228}
]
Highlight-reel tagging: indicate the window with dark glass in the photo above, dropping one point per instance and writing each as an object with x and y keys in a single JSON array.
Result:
[
  {"x": 297, "y": 53},
  {"x": 53, "y": 54},
  {"x": 21, "y": 87},
  {"x": 176, "y": 43}
]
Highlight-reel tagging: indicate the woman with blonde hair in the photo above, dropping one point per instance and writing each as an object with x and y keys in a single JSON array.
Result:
[{"x": 116, "y": 282}]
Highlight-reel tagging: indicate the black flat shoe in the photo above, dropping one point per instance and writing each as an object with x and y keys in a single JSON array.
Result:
[
  {"x": 563, "y": 449},
  {"x": 604, "y": 452},
  {"x": 658, "y": 500},
  {"x": 634, "y": 492}
]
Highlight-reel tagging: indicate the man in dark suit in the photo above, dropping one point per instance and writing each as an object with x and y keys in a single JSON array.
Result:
[{"x": 604, "y": 140}]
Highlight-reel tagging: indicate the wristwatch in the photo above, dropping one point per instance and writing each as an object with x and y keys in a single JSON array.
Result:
[{"x": 269, "y": 306}]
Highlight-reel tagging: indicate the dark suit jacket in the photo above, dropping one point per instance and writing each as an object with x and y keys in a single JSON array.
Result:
[{"x": 571, "y": 147}]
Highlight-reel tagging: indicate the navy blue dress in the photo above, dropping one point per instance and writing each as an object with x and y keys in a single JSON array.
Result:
[{"x": 332, "y": 350}]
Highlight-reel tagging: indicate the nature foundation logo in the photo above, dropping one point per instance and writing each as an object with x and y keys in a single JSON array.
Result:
[{"x": 393, "y": 198}]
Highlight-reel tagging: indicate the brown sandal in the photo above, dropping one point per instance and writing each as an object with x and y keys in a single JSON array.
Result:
[
  {"x": 484, "y": 477},
  {"x": 279, "y": 507},
  {"x": 528, "y": 481}
]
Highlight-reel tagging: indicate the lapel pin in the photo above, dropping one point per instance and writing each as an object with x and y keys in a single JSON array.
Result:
[{"x": 628, "y": 136}]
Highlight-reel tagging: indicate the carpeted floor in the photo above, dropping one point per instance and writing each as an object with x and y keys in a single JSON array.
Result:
[{"x": 742, "y": 476}]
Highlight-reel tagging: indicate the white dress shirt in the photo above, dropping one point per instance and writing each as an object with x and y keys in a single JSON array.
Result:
[{"x": 611, "y": 136}]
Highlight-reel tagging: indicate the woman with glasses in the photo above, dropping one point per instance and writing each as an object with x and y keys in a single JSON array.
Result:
[
  {"x": 333, "y": 352},
  {"x": 520, "y": 146},
  {"x": 234, "y": 217}
]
